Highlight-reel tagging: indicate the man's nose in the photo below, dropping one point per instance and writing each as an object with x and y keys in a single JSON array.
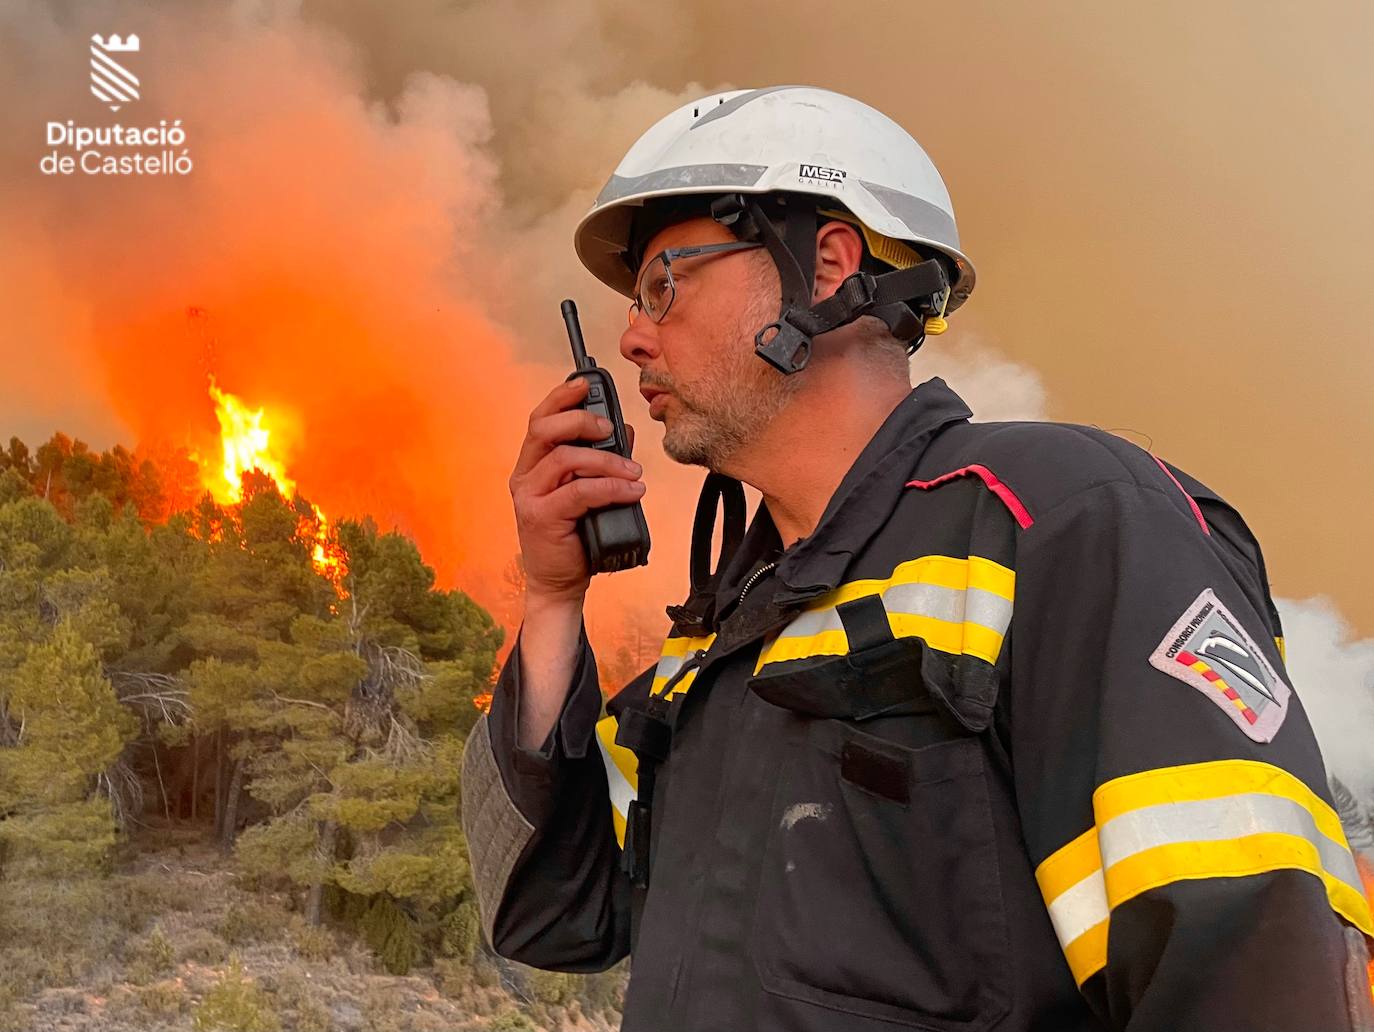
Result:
[{"x": 639, "y": 342}]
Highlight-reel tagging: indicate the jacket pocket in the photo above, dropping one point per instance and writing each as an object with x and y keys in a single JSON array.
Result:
[{"x": 879, "y": 894}]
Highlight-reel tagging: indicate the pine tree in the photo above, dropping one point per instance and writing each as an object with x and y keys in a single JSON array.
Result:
[{"x": 54, "y": 778}]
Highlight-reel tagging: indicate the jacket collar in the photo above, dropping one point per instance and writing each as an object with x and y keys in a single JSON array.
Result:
[{"x": 857, "y": 510}]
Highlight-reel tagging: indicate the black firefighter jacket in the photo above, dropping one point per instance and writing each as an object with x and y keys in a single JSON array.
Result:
[{"x": 1006, "y": 743}]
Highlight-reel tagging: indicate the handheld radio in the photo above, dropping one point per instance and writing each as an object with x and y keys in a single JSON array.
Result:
[{"x": 616, "y": 537}]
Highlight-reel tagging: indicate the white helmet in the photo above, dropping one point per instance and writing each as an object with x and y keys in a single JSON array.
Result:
[{"x": 782, "y": 140}]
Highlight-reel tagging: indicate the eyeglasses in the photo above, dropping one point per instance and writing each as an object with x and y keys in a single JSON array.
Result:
[{"x": 654, "y": 291}]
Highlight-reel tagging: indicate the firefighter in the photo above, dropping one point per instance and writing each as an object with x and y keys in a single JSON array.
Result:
[{"x": 975, "y": 726}]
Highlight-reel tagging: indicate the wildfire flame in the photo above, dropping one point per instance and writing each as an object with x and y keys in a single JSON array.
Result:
[
  {"x": 247, "y": 445},
  {"x": 1366, "y": 869}
]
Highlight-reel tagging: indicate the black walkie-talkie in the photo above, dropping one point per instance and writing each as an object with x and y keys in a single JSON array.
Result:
[{"x": 616, "y": 537}]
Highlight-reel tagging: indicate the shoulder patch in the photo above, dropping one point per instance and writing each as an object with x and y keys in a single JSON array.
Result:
[{"x": 1208, "y": 649}]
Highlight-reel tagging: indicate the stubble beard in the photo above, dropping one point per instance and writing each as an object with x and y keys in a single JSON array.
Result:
[{"x": 721, "y": 412}]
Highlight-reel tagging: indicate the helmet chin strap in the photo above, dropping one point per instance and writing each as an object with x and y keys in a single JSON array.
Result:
[{"x": 901, "y": 298}]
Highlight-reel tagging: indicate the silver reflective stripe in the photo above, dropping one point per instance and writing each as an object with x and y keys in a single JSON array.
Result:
[
  {"x": 725, "y": 175},
  {"x": 953, "y": 605},
  {"x": 813, "y": 621},
  {"x": 1079, "y": 908},
  {"x": 669, "y": 665},
  {"x": 1211, "y": 820},
  {"x": 622, "y": 792},
  {"x": 735, "y": 103},
  {"x": 921, "y": 217},
  {"x": 496, "y": 831},
  {"x": 971, "y": 605}
]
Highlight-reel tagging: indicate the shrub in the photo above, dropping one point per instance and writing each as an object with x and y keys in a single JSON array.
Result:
[
  {"x": 150, "y": 957},
  {"x": 204, "y": 947},
  {"x": 454, "y": 978},
  {"x": 460, "y": 931},
  {"x": 246, "y": 923},
  {"x": 164, "y": 999},
  {"x": 511, "y": 1021},
  {"x": 313, "y": 1016},
  {"x": 312, "y": 942},
  {"x": 289, "y": 987},
  {"x": 77, "y": 924},
  {"x": 237, "y": 1004},
  {"x": 383, "y": 1010},
  {"x": 392, "y": 936}
]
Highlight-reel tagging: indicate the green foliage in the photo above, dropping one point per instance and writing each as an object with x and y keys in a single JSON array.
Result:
[
  {"x": 237, "y": 1004},
  {"x": 312, "y": 942},
  {"x": 165, "y": 999},
  {"x": 142, "y": 625},
  {"x": 281, "y": 848},
  {"x": 392, "y": 935},
  {"x": 150, "y": 957},
  {"x": 203, "y": 946},
  {"x": 246, "y": 923},
  {"x": 511, "y": 1020},
  {"x": 460, "y": 931},
  {"x": 72, "y": 728}
]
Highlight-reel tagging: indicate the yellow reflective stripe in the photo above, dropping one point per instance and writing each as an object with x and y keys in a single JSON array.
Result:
[
  {"x": 958, "y": 639},
  {"x": 1222, "y": 819},
  {"x": 671, "y": 659},
  {"x": 944, "y": 571},
  {"x": 1071, "y": 882},
  {"x": 682, "y": 646},
  {"x": 1087, "y": 954},
  {"x": 961, "y": 639},
  {"x": 622, "y": 774},
  {"x": 1069, "y": 866},
  {"x": 1283, "y": 649},
  {"x": 1233, "y": 858},
  {"x": 992, "y": 585},
  {"x": 1212, "y": 780},
  {"x": 661, "y": 682},
  {"x": 827, "y": 643},
  {"x": 991, "y": 576}
]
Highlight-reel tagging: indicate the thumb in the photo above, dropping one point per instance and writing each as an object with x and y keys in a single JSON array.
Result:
[{"x": 630, "y": 437}]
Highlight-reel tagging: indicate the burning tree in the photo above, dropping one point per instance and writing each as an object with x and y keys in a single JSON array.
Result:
[
  {"x": 212, "y": 659},
  {"x": 343, "y": 721}
]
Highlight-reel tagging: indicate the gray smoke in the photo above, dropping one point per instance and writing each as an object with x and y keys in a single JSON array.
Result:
[{"x": 1333, "y": 674}]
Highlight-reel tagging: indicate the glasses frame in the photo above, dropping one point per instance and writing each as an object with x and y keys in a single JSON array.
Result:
[{"x": 670, "y": 255}]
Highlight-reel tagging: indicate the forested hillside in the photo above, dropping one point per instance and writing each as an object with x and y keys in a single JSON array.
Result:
[{"x": 282, "y": 702}]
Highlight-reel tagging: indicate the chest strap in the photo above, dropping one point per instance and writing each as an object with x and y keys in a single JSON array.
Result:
[{"x": 648, "y": 733}]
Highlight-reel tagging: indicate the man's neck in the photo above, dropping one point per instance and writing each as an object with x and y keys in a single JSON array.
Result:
[{"x": 799, "y": 461}]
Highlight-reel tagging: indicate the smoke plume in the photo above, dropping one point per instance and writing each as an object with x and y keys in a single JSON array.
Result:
[{"x": 377, "y": 233}]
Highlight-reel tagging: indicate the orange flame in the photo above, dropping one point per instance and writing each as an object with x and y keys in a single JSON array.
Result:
[
  {"x": 247, "y": 445},
  {"x": 1366, "y": 870}
]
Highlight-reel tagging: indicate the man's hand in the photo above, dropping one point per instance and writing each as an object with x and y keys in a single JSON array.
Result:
[{"x": 555, "y": 482}]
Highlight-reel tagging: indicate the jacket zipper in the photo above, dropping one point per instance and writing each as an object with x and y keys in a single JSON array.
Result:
[{"x": 754, "y": 579}]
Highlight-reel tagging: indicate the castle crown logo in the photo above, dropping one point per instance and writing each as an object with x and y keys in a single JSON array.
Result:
[{"x": 110, "y": 80}]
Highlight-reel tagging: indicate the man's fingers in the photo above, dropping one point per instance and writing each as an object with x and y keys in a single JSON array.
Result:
[
  {"x": 548, "y": 432},
  {"x": 564, "y": 396},
  {"x": 567, "y": 461},
  {"x": 630, "y": 437},
  {"x": 576, "y": 497}
]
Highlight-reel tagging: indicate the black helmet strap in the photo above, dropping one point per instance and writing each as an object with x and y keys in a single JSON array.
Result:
[{"x": 785, "y": 343}]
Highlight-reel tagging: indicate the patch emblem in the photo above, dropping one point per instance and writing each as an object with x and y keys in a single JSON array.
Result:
[{"x": 1207, "y": 649}]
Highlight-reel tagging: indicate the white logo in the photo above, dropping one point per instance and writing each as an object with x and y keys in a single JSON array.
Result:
[
  {"x": 110, "y": 80},
  {"x": 830, "y": 175}
]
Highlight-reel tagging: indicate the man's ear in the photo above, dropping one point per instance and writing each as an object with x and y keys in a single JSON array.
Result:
[{"x": 839, "y": 250}]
